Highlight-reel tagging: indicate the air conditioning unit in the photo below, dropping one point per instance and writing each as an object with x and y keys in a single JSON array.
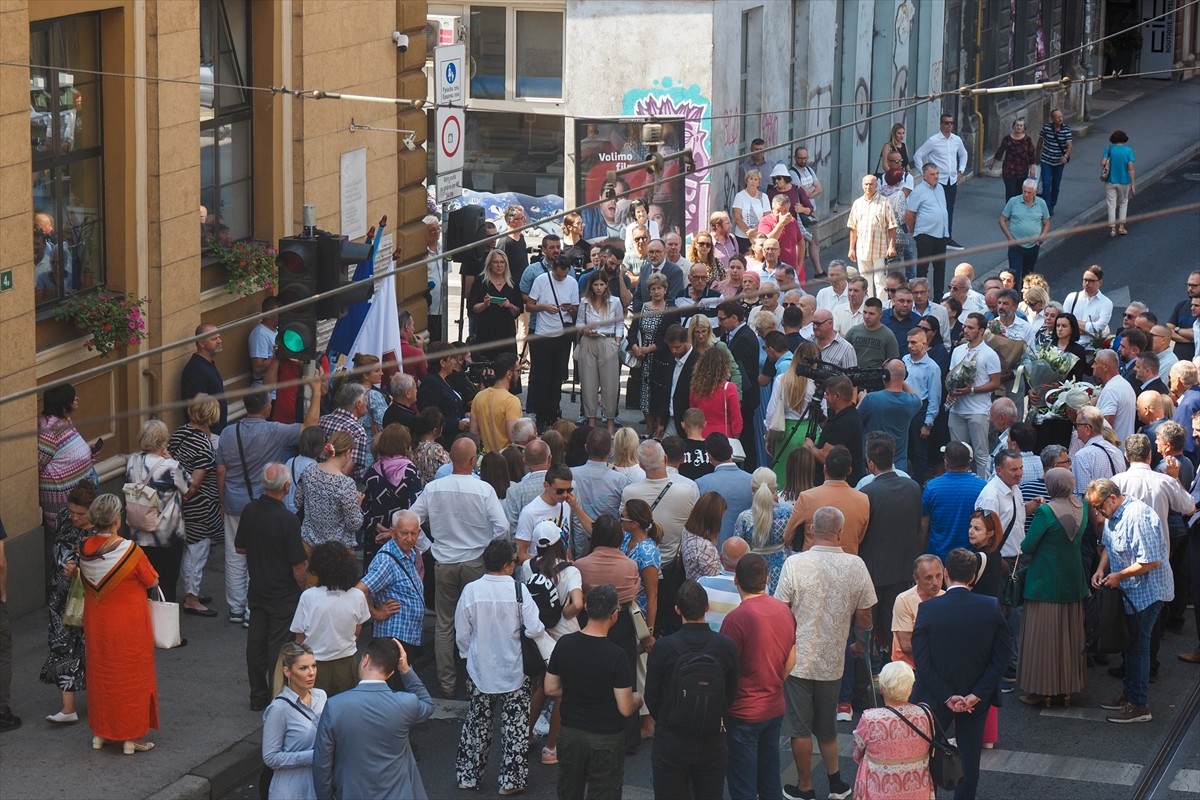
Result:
[{"x": 444, "y": 29}]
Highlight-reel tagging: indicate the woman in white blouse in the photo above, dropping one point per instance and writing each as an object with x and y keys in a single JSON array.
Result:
[
  {"x": 748, "y": 207},
  {"x": 603, "y": 321}
]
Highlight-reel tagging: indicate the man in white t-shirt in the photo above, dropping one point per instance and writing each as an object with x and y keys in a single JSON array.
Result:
[
  {"x": 837, "y": 292},
  {"x": 1117, "y": 399},
  {"x": 556, "y": 503},
  {"x": 969, "y": 414},
  {"x": 554, "y": 297}
]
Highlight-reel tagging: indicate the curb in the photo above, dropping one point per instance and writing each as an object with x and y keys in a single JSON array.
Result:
[
  {"x": 1100, "y": 207},
  {"x": 218, "y": 775}
]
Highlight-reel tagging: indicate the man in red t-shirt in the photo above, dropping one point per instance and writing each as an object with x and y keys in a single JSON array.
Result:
[{"x": 764, "y": 631}]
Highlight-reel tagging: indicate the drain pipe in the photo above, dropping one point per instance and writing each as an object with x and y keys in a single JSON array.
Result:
[{"x": 976, "y": 113}]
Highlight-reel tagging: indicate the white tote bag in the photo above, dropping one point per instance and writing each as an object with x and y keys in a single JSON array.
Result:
[{"x": 164, "y": 619}]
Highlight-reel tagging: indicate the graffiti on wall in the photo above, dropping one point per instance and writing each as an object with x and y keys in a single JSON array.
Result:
[
  {"x": 816, "y": 122},
  {"x": 904, "y": 23},
  {"x": 667, "y": 98},
  {"x": 731, "y": 128},
  {"x": 769, "y": 124}
]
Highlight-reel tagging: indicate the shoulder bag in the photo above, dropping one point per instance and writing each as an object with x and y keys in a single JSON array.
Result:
[
  {"x": 627, "y": 357},
  {"x": 1105, "y": 164},
  {"x": 266, "y": 774},
  {"x": 531, "y": 657},
  {"x": 237, "y": 432},
  {"x": 945, "y": 762},
  {"x": 1013, "y": 592},
  {"x": 739, "y": 452},
  {"x": 142, "y": 508}
]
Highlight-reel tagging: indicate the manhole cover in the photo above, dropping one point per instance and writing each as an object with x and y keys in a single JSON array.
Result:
[{"x": 1191, "y": 176}]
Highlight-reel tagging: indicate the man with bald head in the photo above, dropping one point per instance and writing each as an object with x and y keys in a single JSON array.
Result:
[
  {"x": 537, "y": 461},
  {"x": 892, "y": 410},
  {"x": 1151, "y": 416},
  {"x": 721, "y": 588},
  {"x": 834, "y": 349},
  {"x": 1117, "y": 399},
  {"x": 200, "y": 373},
  {"x": 1160, "y": 345},
  {"x": 972, "y": 301},
  {"x": 464, "y": 514}
]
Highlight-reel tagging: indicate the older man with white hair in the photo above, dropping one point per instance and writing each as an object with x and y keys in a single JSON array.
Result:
[
  {"x": 1186, "y": 392},
  {"x": 872, "y": 232},
  {"x": 1096, "y": 457},
  {"x": 1024, "y": 217}
]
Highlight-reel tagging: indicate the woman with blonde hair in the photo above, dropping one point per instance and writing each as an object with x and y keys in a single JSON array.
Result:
[
  {"x": 625, "y": 460},
  {"x": 368, "y": 371},
  {"x": 894, "y": 144},
  {"x": 762, "y": 525},
  {"x": 192, "y": 446},
  {"x": 290, "y": 726},
  {"x": 891, "y": 743},
  {"x": 154, "y": 469},
  {"x": 702, "y": 337},
  {"x": 714, "y": 393},
  {"x": 329, "y": 497},
  {"x": 702, "y": 252},
  {"x": 495, "y": 303},
  {"x": 1033, "y": 302},
  {"x": 801, "y": 472},
  {"x": 786, "y": 415}
]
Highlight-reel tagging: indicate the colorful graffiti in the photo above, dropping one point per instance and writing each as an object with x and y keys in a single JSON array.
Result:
[{"x": 667, "y": 98}]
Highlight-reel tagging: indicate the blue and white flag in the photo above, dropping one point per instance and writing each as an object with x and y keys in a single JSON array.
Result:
[{"x": 372, "y": 326}]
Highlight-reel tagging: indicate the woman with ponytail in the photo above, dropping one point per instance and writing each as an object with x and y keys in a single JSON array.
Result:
[{"x": 762, "y": 524}]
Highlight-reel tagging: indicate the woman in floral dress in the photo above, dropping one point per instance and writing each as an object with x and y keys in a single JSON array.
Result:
[{"x": 65, "y": 666}]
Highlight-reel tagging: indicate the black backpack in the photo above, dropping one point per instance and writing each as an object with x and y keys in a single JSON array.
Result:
[
  {"x": 545, "y": 594},
  {"x": 698, "y": 689}
]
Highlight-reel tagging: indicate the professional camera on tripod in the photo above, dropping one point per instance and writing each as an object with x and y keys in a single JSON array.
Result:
[{"x": 818, "y": 371}]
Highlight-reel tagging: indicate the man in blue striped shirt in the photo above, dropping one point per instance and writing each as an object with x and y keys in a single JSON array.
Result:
[
  {"x": 393, "y": 589},
  {"x": 1135, "y": 559},
  {"x": 1054, "y": 151},
  {"x": 721, "y": 589}
]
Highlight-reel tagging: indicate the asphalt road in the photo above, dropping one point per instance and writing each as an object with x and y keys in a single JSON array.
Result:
[{"x": 1151, "y": 263}]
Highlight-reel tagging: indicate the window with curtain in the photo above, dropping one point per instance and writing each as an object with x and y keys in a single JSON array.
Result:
[
  {"x": 68, "y": 156},
  {"x": 226, "y": 165}
]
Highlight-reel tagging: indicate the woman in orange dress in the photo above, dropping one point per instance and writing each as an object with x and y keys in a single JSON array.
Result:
[{"x": 122, "y": 687}]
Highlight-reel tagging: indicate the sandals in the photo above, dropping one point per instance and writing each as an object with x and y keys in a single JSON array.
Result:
[
  {"x": 132, "y": 747},
  {"x": 1112, "y": 233},
  {"x": 1121, "y": 230}
]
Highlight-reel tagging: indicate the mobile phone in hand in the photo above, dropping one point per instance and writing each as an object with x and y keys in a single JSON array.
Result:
[{"x": 98, "y": 445}]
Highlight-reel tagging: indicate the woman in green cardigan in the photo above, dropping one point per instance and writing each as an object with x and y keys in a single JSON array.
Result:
[{"x": 1053, "y": 664}]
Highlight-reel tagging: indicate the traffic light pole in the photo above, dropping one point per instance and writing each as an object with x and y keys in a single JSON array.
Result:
[{"x": 444, "y": 277}]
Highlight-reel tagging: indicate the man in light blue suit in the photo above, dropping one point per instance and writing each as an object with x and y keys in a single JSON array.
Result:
[
  {"x": 362, "y": 747},
  {"x": 728, "y": 480}
]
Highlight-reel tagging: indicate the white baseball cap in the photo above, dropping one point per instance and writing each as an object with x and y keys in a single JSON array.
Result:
[{"x": 546, "y": 533}]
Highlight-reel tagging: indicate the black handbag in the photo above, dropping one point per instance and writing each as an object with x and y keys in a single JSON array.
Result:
[
  {"x": 1106, "y": 623},
  {"x": 531, "y": 658},
  {"x": 1013, "y": 592},
  {"x": 945, "y": 762}
]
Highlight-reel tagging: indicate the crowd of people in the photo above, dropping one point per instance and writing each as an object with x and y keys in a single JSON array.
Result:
[{"x": 826, "y": 487}]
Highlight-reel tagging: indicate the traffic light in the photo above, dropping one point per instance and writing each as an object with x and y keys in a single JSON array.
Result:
[
  {"x": 297, "y": 262},
  {"x": 334, "y": 254}
]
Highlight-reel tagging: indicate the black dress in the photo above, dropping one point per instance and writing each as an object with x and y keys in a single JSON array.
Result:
[{"x": 494, "y": 324}]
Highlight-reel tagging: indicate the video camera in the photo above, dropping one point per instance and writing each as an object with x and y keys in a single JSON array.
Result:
[
  {"x": 481, "y": 373},
  {"x": 866, "y": 380}
]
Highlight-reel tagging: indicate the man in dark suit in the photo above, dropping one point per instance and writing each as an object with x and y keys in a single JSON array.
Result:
[
  {"x": 743, "y": 344},
  {"x": 362, "y": 747},
  {"x": 961, "y": 646},
  {"x": 893, "y": 537},
  {"x": 681, "y": 374},
  {"x": 656, "y": 261},
  {"x": 1146, "y": 376}
]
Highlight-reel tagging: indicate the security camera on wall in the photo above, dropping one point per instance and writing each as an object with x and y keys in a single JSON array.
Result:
[{"x": 401, "y": 41}]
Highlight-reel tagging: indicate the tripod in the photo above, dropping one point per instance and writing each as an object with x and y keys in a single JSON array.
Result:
[{"x": 812, "y": 414}]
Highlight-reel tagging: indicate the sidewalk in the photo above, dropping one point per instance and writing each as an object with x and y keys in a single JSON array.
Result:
[
  {"x": 1164, "y": 131},
  {"x": 208, "y": 737}
]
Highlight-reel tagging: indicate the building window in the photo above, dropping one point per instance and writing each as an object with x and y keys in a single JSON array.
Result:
[
  {"x": 509, "y": 152},
  {"x": 68, "y": 156},
  {"x": 516, "y": 55},
  {"x": 226, "y": 165}
]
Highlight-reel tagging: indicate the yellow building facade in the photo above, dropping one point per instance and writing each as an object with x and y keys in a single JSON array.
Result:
[{"x": 136, "y": 120}]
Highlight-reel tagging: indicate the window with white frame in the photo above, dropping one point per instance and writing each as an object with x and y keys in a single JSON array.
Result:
[{"x": 515, "y": 53}]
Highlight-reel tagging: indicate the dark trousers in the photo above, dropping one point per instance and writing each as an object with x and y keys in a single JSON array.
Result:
[
  {"x": 688, "y": 766},
  {"x": 933, "y": 247},
  {"x": 1176, "y": 610},
  {"x": 1193, "y": 578},
  {"x": 5, "y": 660},
  {"x": 886, "y": 596},
  {"x": 668, "y": 585},
  {"x": 166, "y": 561},
  {"x": 270, "y": 625},
  {"x": 594, "y": 762},
  {"x": 750, "y": 442},
  {"x": 951, "y": 193},
  {"x": 624, "y": 636},
  {"x": 918, "y": 451},
  {"x": 549, "y": 360},
  {"x": 968, "y": 732},
  {"x": 1022, "y": 260},
  {"x": 1051, "y": 183},
  {"x": 1012, "y": 187},
  {"x": 753, "y": 770}
]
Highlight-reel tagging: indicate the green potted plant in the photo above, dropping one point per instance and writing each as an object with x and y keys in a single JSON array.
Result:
[
  {"x": 249, "y": 265},
  {"x": 110, "y": 317}
]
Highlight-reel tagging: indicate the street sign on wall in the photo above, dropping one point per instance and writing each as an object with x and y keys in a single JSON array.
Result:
[
  {"x": 448, "y": 131},
  {"x": 449, "y": 186},
  {"x": 449, "y": 77}
]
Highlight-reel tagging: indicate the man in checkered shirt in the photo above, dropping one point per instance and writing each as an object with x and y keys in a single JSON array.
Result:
[
  {"x": 350, "y": 406},
  {"x": 393, "y": 587}
]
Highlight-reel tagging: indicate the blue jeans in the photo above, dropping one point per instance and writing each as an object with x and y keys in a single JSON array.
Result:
[
  {"x": 753, "y": 759},
  {"x": 1136, "y": 686},
  {"x": 1051, "y": 182}
]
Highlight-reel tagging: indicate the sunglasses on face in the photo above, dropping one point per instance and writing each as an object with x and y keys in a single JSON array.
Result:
[{"x": 566, "y": 490}]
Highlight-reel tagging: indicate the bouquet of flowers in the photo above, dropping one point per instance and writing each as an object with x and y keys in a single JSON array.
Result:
[
  {"x": 1072, "y": 394},
  {"x": 1045, "y": 366},
  {"x": 1097, "y": 342},
  {"x": 960, "y": 377}
]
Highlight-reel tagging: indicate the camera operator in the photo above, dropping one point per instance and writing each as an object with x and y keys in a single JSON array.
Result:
[
  {"x": 834, "y": 349},
  {"x": 496, "y": 409},
  {"x": 844, "y": 427}
]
